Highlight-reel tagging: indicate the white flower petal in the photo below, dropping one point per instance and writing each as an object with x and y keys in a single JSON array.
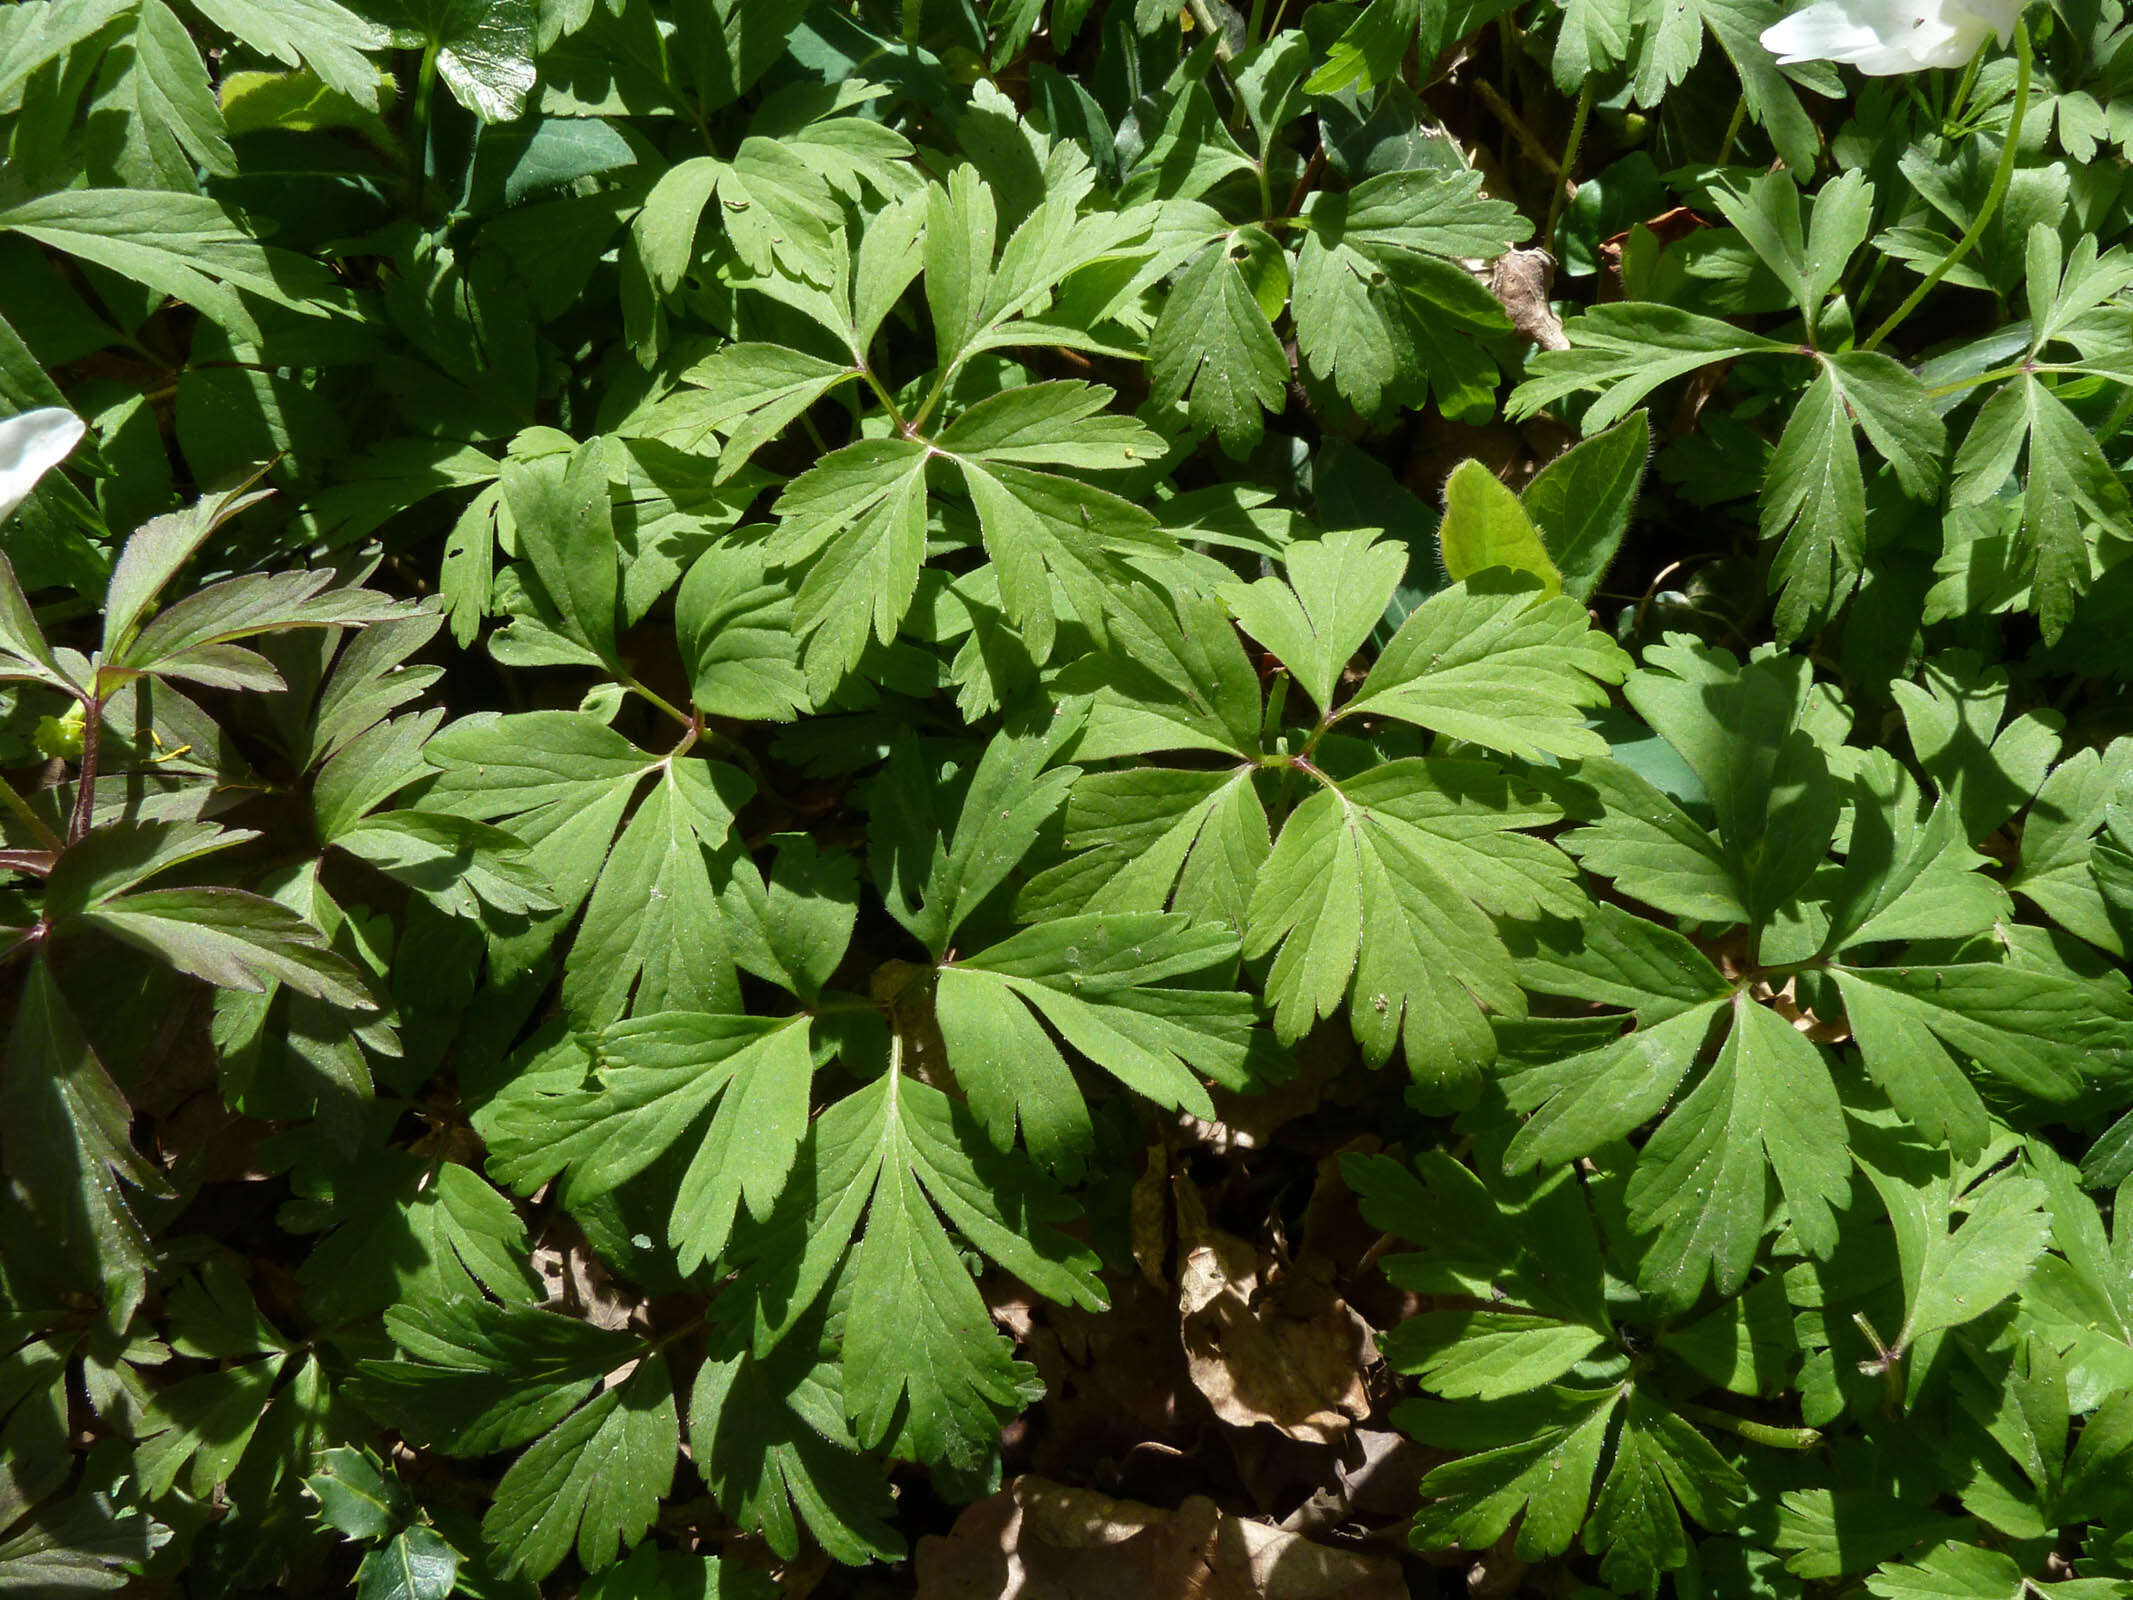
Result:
[
  {"x": 1885, "y": 37},
  {"x": 31, "y": 445}
]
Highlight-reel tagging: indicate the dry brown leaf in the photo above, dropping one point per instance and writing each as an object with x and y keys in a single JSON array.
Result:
[
  {"x": 1295, "y": 1361},
  {"x": 1039, "y": 1540},
  {"x": 1520, "y": 281}
]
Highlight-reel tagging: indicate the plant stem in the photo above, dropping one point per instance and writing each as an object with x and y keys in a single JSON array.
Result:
[
  {"x": 1204, "y": 15},
  {"x": 1962, "y": 89},
  {"x": 1740, "y": 115},
  {"x": 92, "y": 740},
  {"x": 896, "y": 417},
  {"x": 2000, "y": 178},
  {"x": 1515, "y": 125},
  {"x": 1564, "y": 188},
  {"x": 657, "y": 701},
  {"x": 419, "y": 121}
]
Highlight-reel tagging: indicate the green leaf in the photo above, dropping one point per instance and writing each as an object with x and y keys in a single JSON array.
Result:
[
  {"x": 1486, "y": 1355},
  {"x": 1768, "y": 1105},
  {"x": 857, "y": 519},
  {"x": 1100, "y": 981},
  {"x": 1955, "y": 1267},
  {"x": 1526, "y": 1241},
  {"x": 1535, "y": 1458},
  {"x": 652, "y": 936},
  {"x": 182, "y": 245},
  {"x": 1042, "y": 529},
  {"x": 923, "y": 1372},
  {"x": 229, "y": 938},
  {"x": 407, "y": 1229},
  {"x": 1615, "y": 957},
  {"x": 1815, "y": 496},
  {"x": 746, "y": 393},
  {"x": 1989, "y": 772},
  {"x": 933, "y": 872},
  {"x": 1485, "y": 526},
  {"x": 475, "y": 1377},
  {"x": 794, "y": 930},
  {"x": 561, "y": 509},
  {"x": 655, "y": 1080},
  {"x": 1643, "y": 837},
  {"x": 1386, "y": 324},
  {"x": 1738, "y": 728},
  {"x": 774, "y": 206},
  {"x": 2056, "y": 867},
  {"x": 1336, "y": 589},
  {"x": 154, "y": 555},
  {"x": 2070, "y": 495},
  {"x": 1213, "y": 341},
  {"x": 772, "y": 1441},
  {"x": 594, "y": 1482},
  {"x": 1494, "y": 662},
  {"x": 355, "y": 1499},
  {"x": 417, "y": 1565},
  {"x": 1582, "y": 500},
  {"x": 735, "y": 632},
  {"x": 69, "y": 1141},
  {"x": 167, "y": 122},
  {"x": 1369, "y": 52},
  {"x": 1907, "y": 872},
  {"x": 323, "y": 35},
  {"x": 2038, "y": 1031},
  {"x": 1380, "y": 890},
  {"x": 1624, "y": 352},
  {"x": 85, "y": 1545},
  {"x": 483, "y": 48}
]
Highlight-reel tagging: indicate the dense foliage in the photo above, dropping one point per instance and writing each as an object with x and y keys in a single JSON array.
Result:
[{"x": 737, "y": 707}]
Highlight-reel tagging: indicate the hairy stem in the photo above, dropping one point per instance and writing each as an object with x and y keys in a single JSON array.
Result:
[
  {"x": 2000, "y": 178},
  {"x": 1564, "y": 187},
  {"x": 92, "y": 741}
]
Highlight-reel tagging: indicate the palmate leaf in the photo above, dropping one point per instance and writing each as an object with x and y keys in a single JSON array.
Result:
[
  {"x": 1537, "y": 1458},
  {"x": 69, "y": 1144},
  {"x": 1041, "y": 528},
  {"x": 1214, "y": 343},
  {"x": 1382, "y": 313},
  {"x": 1099, "y": 981},
  {"x": 653, "y": 1079},
  {"x": 1965, "y": 1239},
  {"x": 475, "y": 1377},
  {"x": 2070, "y": 495},
  {"x": 924, "y": 1375},
  {"x": 938, "y": 848},
  {"x": 1815, "y": 496},
  {"x": 652, "y": 937},
  {"x": 772, "y": 1440},
  {"x": 594, "y": 1482},
  {"x": 323, "y": 35},
  {"x": 1672, "y": 43},
  {"x": 403, "y": 1229},
  {"x": 185, "y": 246},
  {"x": 1766, "y": 1109},
  {"x": 1738, "y": 729},
  {"x": 1380, "y": 890},
  {"x": 1624, "y": 352},
  {"x": 1494, "y": 662}
]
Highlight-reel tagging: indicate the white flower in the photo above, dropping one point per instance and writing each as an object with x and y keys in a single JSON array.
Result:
[
  {"x": 30, "y": 446},
  {"x": 1885, "y": 37}
]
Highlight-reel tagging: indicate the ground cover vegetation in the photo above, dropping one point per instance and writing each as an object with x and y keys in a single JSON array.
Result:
[{"x": 1066, "y": 798}]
